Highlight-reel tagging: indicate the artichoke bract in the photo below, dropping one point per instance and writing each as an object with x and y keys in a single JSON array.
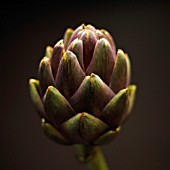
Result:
[{"x": 83, "y": 93}]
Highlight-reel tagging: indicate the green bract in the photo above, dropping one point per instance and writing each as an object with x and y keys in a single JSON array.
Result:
[{"x": 82, "y": 93}]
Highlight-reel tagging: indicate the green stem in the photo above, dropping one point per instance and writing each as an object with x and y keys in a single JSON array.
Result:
[{"x": 92, "y": 157}]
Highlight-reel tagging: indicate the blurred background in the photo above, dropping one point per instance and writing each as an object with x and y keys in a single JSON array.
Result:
[{"x": 140, "y": 28}]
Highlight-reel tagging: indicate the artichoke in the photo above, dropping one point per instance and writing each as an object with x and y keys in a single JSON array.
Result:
[{"x": 82, "y": 93}]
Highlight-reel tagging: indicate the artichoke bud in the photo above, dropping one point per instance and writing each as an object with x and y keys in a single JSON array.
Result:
[{"x": 83, "y": 93}]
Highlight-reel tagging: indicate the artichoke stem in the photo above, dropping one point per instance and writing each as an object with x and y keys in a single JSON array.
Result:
[{"x": 92, "y": 157}]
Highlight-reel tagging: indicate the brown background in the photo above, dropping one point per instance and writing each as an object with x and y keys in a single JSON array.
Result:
[{"x": 140, "y": 28}]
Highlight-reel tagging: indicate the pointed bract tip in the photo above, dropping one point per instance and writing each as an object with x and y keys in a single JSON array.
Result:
[
  {"x": 104, "y": 32},
  {"x": 44, "y": 60},
  {"x": 92, "y": 28},
  {"x": 83, "y": 26},
  {"x": 118, "y": 129},
  {"x": 48, "y": 51},
  {"x": 59, "y": 43},
  {"x": 48, "y": 47},
  {"x": 67, "y": 55},
  {"x": 31, "y": 81},
  {"x": 104, "y": 41},
  {"x": 75, "y": 42},
  {"x": 127, "y": 92},
  {"x": 92, "y": 75},
  {"x": 42, "y": 121},
  {"x": 133, "y": 87},
  {"x": 120, "y": 51},
  {"x": 69, "y": 29},
  {"x": 82, "y": 115},
  {"x": 50, "y": 88}
]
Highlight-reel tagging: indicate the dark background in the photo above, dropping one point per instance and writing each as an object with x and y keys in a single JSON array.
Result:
[{"x": 140, "y": 28}]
